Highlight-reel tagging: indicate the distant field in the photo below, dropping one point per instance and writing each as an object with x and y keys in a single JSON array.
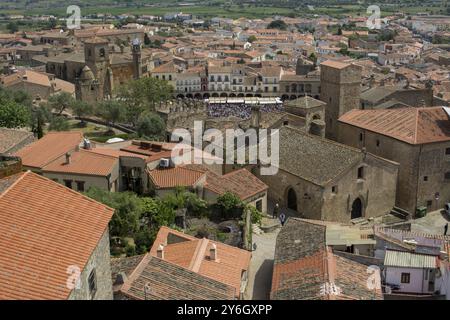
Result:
[{"x": 207, "y": 9}]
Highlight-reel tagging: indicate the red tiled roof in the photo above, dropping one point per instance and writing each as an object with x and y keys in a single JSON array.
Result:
[
  {"x": 411, "y": 125},
  {"x": 240, "y": 182},
  {"x": 50, "y": 147},
  {"x": 174, "y": 177},
  {"x": 227, "y": 269},
  {"x": 45, "y": 228},
  {"x": 83, "y": 162}
]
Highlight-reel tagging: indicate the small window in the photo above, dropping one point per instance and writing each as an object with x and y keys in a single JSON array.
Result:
[
  {"x": 405, "y": 277},
  {"x": 361, "y": 173},
  {"x": 447, "y": 175},
  {"x": 378, "y": 143},
  {"x": 259, "y": 205},
  {"x": 447, "y": 151},
  {"x": 68, "y": 183},
  {"x": 361, "y": 137},
  {"x": 102, "y": 52},
  {"x": 429, "y": 203},
  {"x": 92, "y": 280},
  {"x": 80, "y": 186},
  {"x": 425, "y": 178},
  {"x": 334, "y": 189},
  {"x": 56, "y": 180}
]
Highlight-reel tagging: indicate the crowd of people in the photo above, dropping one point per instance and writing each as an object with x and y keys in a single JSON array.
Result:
[{"x": 240, "y": 110}]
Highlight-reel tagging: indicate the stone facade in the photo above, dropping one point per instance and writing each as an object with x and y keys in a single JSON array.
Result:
[
  {"x": 340, "y": 90},
  {"x": 99, "y": 262},
  {"x": 334, "y": 201},
  {"x": 422, "y": 167},
  {"x": 330, "y": 181}
]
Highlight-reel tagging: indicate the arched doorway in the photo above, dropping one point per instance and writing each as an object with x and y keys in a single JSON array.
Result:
[
  {"x": 223, "y": 95},
  {"x": 356, "y": 209},
  {"x": 180, "y": 96},
  {"x": 292, "y": 199},
  {"x": 205, "y": 95}
]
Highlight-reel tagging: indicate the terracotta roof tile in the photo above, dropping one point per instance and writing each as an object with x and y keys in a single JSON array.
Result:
[
  {"x": 45, "y": 228},
  {"x": 174, "y": 177},
  {"x": 50, "y": 147},
  {"x": 240, "y": 182},
  {"x": 83, "y": 162},
  {"x": 227, "y": 269},
  {"x": 411, "y": 125},
  {"x": 9, "y": 138}
]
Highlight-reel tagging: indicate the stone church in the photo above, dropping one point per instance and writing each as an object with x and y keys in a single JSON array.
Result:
[
  {"x": 325, "y": 180},
  {"x": 96, "y": 80}
]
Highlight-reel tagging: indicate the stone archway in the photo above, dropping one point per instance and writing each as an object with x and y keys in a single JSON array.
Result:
[
  {"x": 189, "y": 96},
  {"x": 224, "y": 95},
  {"x": 215, "y": 94},
  {"x": 180, "y": 96},
  {"x": 291, "y": 199},
  {"x": 293, "y": 97},
  {"x": 357, "y": 209},
  {"x": 240, "y": 95},
  {"x": 198, "y": 96},
  {"x": 284, "y": 97},
  {"x": 232, "y": 95},
  {"x": 205, "y": 95}
]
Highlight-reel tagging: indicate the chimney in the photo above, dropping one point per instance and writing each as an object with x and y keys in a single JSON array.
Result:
[
  {"x": 68, "y": 156},
  {"x": 213, "y": 252},
  {"x": 160, "y": 252}
]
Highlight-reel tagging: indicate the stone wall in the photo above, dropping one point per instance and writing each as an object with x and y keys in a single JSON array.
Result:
[
  {"x": 100, "y": 261},
  {"x": 376, "y": 190},
  {"x": 417, "y": 164},
  {"x": 340, "y": 89}
]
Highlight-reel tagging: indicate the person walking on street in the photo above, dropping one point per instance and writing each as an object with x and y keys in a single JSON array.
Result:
[
  {"x": 282, "y": 218},
  {"x": 275, "y": 211}
]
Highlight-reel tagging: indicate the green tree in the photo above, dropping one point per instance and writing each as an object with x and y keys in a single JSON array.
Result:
[
  {"x": 251, "y": 39},
  {"x": 229, "y": 203},
  {"x": 256, "y": 215},
  {"x": 59, "y": 123},
  {"x": 60, "y": 102},
  {"x": 277, "y": 24},
  {"x": 111, "y": 111},
  {"x": 13, "y": 114},
  {"x": 143, "y": 94},
  {"x": 150, "y": 126},
  {"x": 82, "y": 109},
  {"x": 12, "y": 27}
]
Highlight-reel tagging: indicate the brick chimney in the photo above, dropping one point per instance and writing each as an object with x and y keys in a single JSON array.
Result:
[
  {"x": 213, "y": 252},
  {"x": 68, "y": 157},
  {"x": 160, "y": 252}
]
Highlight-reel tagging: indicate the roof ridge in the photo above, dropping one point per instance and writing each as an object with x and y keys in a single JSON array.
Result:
[
  {"x": 96, "y": 153},
  {"x": 72, "y": 191},
  {"x": 198, "y": 255},
  {"x": 22, "y": 174}
]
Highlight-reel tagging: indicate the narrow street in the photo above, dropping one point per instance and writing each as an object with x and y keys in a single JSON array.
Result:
[{"x": 261, "y": 266}]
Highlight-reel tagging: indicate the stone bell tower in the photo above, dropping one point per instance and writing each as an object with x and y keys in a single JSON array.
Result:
[
  {"x": 137, "y": 58},
  {"x": 97, "y": 59}
]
